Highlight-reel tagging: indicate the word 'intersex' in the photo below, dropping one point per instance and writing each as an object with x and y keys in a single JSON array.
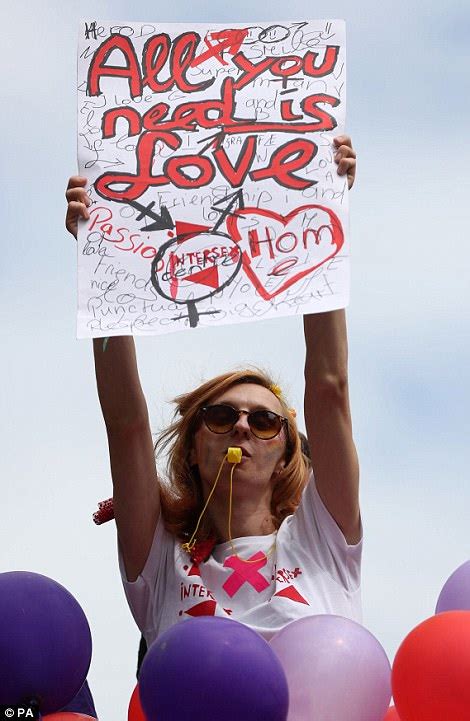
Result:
[{"x": 157, "y": 128}]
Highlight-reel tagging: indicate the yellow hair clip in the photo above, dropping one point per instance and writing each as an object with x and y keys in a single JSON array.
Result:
[{"x": 274, "y": 388}]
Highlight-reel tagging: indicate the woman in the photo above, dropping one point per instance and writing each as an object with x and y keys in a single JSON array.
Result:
[{"x": 256, "y": 538}]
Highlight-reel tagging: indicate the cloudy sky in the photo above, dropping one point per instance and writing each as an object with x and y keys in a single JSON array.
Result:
[{"x": 408, "y": 108}]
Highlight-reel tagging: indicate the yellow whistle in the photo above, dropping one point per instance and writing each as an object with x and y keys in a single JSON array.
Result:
[{"x": 234, "y": 454}]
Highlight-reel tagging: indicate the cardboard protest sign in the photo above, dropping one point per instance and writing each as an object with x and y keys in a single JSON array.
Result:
[{"x": 210, "y": 159}]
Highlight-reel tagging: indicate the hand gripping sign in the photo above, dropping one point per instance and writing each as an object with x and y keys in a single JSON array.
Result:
[{"x": 209, "y": 155}]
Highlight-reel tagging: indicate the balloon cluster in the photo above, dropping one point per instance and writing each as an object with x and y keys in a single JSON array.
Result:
[
  {"x": 207, "y": 669},
  {"x": 316, "y": 669}
]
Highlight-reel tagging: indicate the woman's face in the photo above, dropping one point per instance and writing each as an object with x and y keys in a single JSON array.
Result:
[{"x": 261, "y": 459}]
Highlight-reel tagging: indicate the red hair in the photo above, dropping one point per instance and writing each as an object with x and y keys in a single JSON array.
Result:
[{"x": 182, "y": 499}]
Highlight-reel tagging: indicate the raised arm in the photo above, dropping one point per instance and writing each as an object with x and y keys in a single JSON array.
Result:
[
  {"x": 328, "y": 419},
  {"x": 135, "y": 486},
  {"x": 327, "y": 412}
]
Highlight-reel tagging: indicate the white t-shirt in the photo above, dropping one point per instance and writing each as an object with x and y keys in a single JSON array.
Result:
[{"x": 306, "y": 568}]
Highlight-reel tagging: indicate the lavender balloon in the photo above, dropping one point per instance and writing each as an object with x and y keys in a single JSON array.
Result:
[
  {"x": 336, "y": 670},
  {"x": 455, "y": 594},
  {"x": 212, "y": 669},
  {"x": 45, "y": 642}
]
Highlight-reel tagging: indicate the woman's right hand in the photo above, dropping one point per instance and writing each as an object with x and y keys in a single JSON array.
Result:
[{"x": 77, "y": 203}]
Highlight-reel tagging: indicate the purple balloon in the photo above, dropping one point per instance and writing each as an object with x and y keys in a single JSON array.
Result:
[
  {"x": 45, "y": 642},
  {"x": 335, "y": 668},
  {"x": 455, "y": 594},
  {"x": 212, "y": 669}
]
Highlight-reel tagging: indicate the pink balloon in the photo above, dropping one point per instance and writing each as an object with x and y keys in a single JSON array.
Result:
[
  {"x": 455, "y": 594},
  {"x": 335, "y": 669}
]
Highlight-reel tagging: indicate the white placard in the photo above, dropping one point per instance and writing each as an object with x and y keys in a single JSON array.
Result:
[{"x": 210, "y": 160}]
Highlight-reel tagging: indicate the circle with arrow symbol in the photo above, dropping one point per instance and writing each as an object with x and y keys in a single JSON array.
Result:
[{"x": 195, "y": 265}]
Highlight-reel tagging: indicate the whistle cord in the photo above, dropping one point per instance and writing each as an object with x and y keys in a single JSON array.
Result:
[{"x": 192, "y": 541}]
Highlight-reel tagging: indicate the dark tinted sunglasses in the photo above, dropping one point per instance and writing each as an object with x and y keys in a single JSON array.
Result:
[{"x": 221, "y": 418}]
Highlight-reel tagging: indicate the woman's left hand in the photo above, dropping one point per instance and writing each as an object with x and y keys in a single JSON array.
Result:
[{"x": 345, "y": 158}]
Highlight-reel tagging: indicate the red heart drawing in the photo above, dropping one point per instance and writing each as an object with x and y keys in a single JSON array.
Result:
[{"x": 307, "y": 247}]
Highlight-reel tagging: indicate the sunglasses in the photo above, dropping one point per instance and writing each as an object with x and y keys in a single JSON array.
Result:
[{"x": 221, "y": 418}]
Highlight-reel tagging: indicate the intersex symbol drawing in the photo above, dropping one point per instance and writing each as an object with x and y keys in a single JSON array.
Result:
[{"x": 194, "y": 267}]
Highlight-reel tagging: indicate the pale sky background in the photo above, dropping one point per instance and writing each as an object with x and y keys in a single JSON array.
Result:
[{"x": 408, "y": 108}]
